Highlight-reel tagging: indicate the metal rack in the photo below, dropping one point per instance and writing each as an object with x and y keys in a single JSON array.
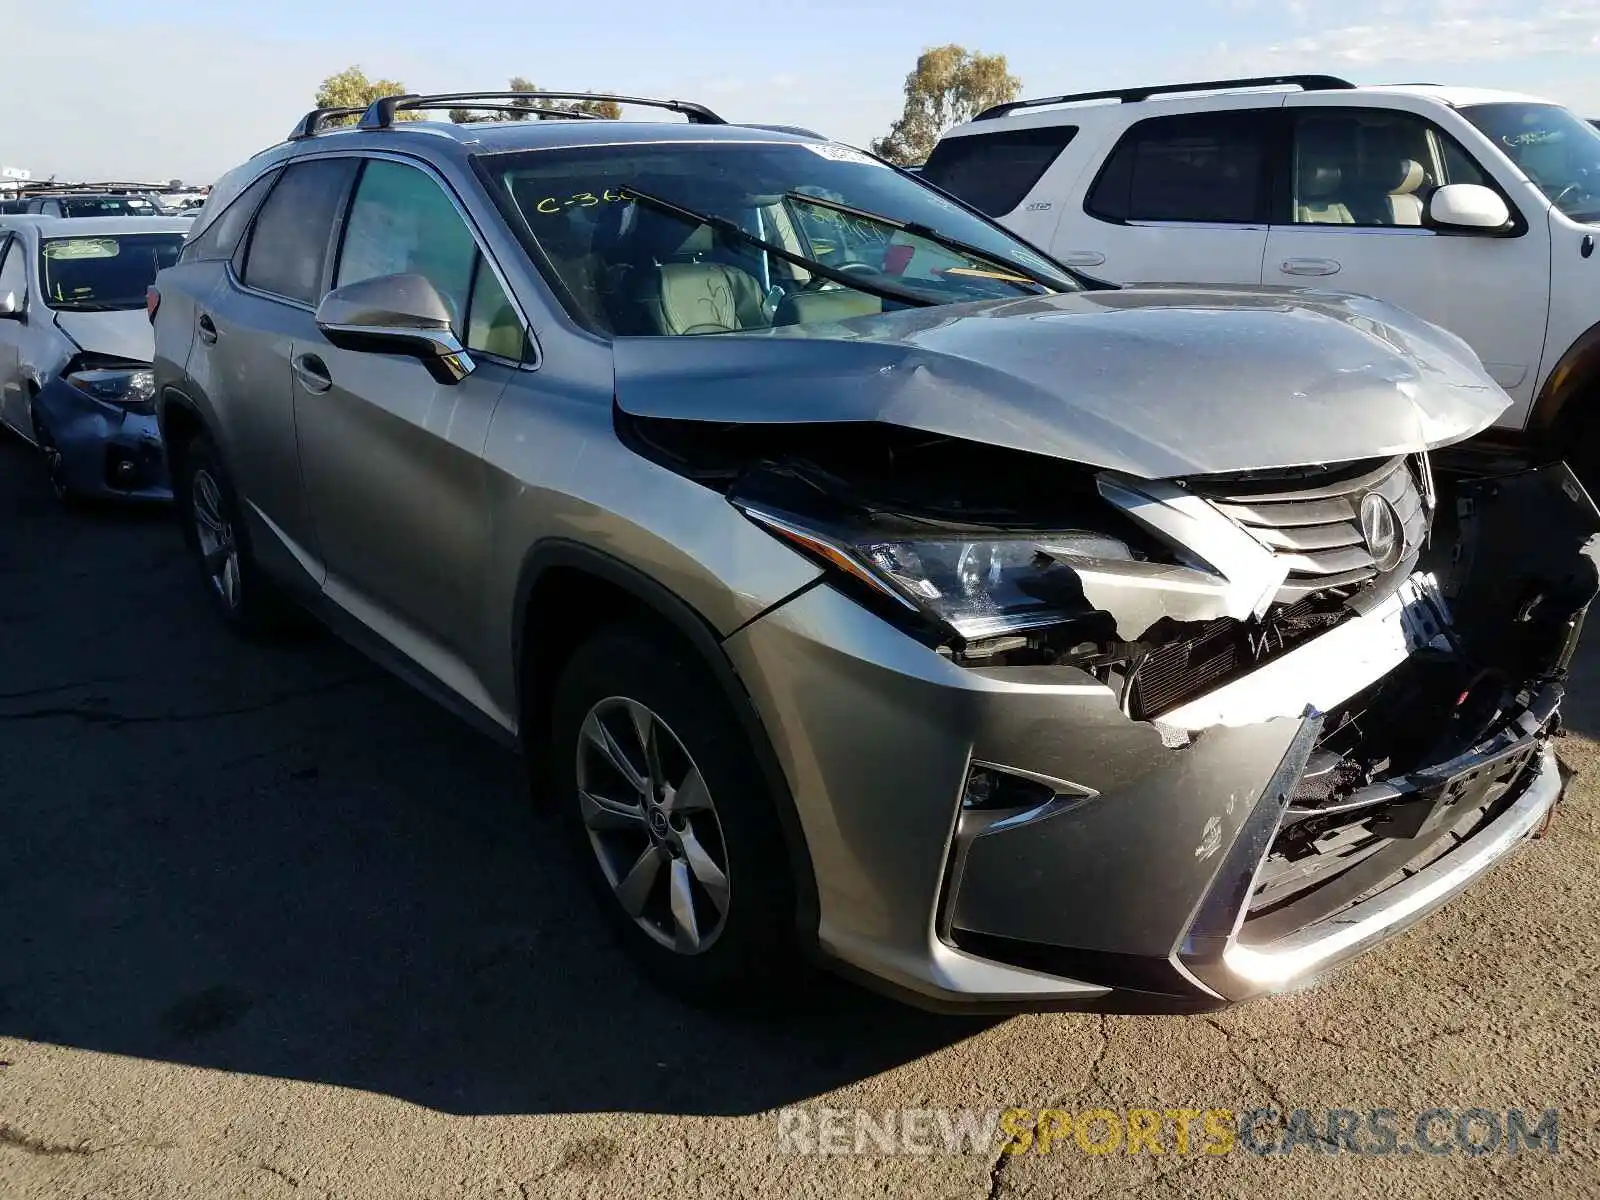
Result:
[{"x": 1310, "y": 83}]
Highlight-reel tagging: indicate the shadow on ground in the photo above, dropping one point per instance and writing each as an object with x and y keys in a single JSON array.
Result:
[{"x": 279, "y": 861}]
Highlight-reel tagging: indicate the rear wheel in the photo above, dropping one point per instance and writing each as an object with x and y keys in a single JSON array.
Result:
[
  {"x": 210, "y": 514},
  {"x": 668, "y": 811}
]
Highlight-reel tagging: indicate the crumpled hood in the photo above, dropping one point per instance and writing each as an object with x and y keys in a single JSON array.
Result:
[
  {"x": 125, "y": 333},
  {"x": 1153, "y": 382}
]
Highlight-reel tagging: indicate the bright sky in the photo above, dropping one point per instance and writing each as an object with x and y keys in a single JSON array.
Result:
[{"x": 185, "y": 90}]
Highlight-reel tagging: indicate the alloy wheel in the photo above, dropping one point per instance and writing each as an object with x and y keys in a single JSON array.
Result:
[
  {"x": 219, "y": 552},
  {"x": 652, "y": 825}
]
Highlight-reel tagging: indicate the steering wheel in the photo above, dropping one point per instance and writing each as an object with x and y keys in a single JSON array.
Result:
[{"x": 1565, "y": 192}]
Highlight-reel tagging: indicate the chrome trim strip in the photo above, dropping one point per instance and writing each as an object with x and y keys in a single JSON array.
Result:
[{"x": 1348, "y": 932}]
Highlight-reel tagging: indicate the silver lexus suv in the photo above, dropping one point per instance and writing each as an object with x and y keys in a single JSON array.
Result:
[{"x": 863, "y": 585}]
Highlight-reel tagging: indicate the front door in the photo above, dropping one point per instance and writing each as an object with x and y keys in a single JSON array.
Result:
[
  {"x": 391, "y": 458},
  {"x": 1351, "y": 220}
]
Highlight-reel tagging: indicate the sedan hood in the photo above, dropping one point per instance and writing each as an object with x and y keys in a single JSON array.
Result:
[
  {"x": 1153, "y": 382},
  {"x": 124, "y": 333}
]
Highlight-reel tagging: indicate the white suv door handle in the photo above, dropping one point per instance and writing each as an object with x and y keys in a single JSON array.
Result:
[
  {"x": 1083, "y": 258},
  {"x": 1310, "y": 266}
]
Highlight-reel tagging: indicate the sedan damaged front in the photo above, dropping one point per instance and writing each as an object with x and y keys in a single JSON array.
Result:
[{"x": 1165, "y": 645}]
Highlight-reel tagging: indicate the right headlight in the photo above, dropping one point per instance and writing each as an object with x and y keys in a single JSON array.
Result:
[{"x": 979, "y": 585}]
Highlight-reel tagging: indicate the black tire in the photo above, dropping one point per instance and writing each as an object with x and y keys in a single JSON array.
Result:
[
  {"x": 254, "y": 606},
  {"x": 754, "y": 960},
  {"x": 54, "y": 475}
]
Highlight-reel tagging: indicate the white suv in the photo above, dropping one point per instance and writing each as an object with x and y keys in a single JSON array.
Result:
[{"x": 1477, "y": 210}]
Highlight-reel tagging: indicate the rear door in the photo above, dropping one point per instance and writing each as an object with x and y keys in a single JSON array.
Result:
[
  {"x": 392, "y": 459},
  {"x": 244, "y": 334},
  {"x": 1180, "y": 198},
  {"x": 1351, "y": 220}
]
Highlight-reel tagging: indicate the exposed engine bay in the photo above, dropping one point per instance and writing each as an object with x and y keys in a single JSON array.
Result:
[{"x": 1501, "y": 568}]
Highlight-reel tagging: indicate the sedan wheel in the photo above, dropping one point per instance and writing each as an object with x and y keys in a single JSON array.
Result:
[{"x": 653, "y": 825}]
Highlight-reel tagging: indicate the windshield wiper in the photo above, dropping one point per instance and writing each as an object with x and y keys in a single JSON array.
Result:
[
  {"x": 918, "y": 229},
  {"x": 849, "y": 279}
]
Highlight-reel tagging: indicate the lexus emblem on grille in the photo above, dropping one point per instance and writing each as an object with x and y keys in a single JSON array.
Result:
[{"x": 1380, "y": 530}]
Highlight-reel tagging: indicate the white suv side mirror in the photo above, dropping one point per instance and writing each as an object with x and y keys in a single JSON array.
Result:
[
  {"x": 10, "y": 305},
  {"x": 1468, "y": 206}
]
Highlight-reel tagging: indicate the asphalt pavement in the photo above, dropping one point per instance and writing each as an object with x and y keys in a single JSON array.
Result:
[{"x": 275, "y": 926}]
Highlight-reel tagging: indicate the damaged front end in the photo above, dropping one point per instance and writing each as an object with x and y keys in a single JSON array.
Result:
[{"x": 1215, "y": 733}]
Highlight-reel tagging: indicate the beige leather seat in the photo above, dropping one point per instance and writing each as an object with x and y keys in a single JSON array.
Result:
[
  {"x": 1316, "y": 202},
  {"x": 705, "y": 297},
  {"x": 1405, "y": 206}
]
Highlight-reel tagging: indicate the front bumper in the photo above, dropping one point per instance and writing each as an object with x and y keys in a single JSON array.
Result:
[
  {"x": 1134, "y": 881},
  {"x": 106, "y": 452}
]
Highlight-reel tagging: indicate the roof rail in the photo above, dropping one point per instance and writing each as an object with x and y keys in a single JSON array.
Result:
[
  {"x": 381, "y": 113},
  {"x": 798, "y": 130},
  {"x": 558, "y": 113},
  {"x": 312, "y": 123},
  {"x": 1310, "y": 83}
]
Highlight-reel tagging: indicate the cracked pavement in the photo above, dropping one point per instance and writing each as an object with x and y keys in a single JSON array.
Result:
[{"x": 277, "y": 926}]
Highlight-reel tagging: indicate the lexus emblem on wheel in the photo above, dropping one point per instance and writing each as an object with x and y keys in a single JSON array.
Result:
[{"x": 1380, "y": 531}]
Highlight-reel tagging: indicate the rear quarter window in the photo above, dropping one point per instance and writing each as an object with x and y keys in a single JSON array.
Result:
[
  {"x": 994, "y": 172},
  {"x": 220, "y": 238}
]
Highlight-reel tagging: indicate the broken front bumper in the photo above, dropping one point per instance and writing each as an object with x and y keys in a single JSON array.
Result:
[
  {"x": 1148, "y": 857},
  {"x": 106, "y": 451}
]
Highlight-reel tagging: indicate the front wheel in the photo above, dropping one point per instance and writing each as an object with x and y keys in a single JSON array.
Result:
[
  {"x": 676, "y": 827},
  {"x": 55, "y": 472}
]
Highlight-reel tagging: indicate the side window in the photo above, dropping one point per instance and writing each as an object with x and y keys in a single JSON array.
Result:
[
  {"x": 1371, "y": 167},
  {"x": 221, "y": 237},
  {"x": 994, "y": 172},
  {"x": 1203, "y": 167},
  {"x": 14, "y": 269},
  {"x": 288, "y": 246},
  {"x": 402, "y": 222}
]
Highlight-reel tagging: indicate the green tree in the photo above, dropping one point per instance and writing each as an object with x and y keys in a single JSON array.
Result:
[
  {"x": 598, "y": 108},
  {"x": 950, "y": 85},
  {"x": 351, "y": 88}
]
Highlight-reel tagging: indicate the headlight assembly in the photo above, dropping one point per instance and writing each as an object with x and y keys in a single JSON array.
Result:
[
  {"x": 132, "y": 388},
  {"x": 979, "y": 585}
]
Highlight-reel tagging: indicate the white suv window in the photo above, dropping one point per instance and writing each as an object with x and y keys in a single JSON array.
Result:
[
  {"x": 994, "y": 172},
  {"x": 1203, "y": 167},
  {"x": 1371, "y": 167}
]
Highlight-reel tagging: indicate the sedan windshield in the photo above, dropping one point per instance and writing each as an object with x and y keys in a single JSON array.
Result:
[
  {"x": 1552, "y": 147},
  {"x": 697, "y": 253},
  {"x": 106, "y": 271}
]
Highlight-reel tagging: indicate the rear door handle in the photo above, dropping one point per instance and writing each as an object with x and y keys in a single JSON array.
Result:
[
  {"x": 208, "y": 330},
  {"x": 1083, "y": 258},
  {"x": 312, "y": 373},
  {"x": 1310, "y": 266}
]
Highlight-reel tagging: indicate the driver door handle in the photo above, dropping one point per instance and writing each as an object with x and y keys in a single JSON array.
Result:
[
  {"x": 1310, "y": 266},
  {"x": 208, "y": 329},
  {"x": 312, "y": 373}
]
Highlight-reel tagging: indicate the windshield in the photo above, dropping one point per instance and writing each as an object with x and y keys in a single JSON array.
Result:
[
  {"x": 1553, "y": 147},
  {"x": 104, "y": 272},
  {"x": 108, "y": 206},
  {"x": 640, "y": 268}
]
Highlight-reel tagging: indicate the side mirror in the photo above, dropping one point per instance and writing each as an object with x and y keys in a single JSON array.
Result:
[
  {"x": 12, "y": 307},
  {"x": 1468, "y": 206},
  {"x": 396, "y": 314}
]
